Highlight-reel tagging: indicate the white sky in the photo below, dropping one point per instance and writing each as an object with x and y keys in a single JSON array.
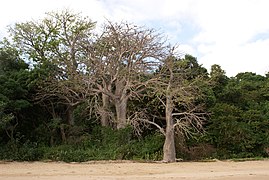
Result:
[{"x": 231, "y": 33}]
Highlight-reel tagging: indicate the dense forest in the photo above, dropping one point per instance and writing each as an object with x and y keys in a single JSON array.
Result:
[{"x": 72, "y": 92}]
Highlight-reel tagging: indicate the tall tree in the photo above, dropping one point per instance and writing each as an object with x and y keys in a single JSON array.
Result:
[
  {"x": 123, "y": 54},
  {"x": 56, "y": 44}
]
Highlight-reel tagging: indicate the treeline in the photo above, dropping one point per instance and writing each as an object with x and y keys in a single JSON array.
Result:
[{"x": 72, "y": 92}]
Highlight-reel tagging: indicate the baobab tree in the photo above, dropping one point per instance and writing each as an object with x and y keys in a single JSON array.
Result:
[
  {"x": 177, "y": 94},
  {"x": 121, "y": 57}
]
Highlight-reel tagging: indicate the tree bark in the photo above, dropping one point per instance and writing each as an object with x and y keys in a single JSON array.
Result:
[
  {"x": 169, "y": 151},
  {"x": 121, "y": 111},
  {"x": 104, "y": 111}
]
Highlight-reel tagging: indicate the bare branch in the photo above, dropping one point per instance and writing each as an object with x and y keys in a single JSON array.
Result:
[{"x": 141, "y": 117}]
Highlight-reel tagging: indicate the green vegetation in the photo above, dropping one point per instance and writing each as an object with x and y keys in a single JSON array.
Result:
[
  {"x": 102, "y": 144},
  {"x": 67, "y": 94}
]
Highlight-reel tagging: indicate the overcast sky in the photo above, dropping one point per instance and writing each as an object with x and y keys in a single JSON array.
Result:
[{"x": 231, "y": 33}]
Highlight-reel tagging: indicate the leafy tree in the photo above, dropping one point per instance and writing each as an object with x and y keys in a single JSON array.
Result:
[
  {"x": 55, "y": 44},
  {"x": 13, "y": 93},
  {"x": 239, "y": 124},
  {"x": 218, "y": 79}
]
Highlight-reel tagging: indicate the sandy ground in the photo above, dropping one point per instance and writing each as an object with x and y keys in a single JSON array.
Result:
[{"x": 258, "y": 170}]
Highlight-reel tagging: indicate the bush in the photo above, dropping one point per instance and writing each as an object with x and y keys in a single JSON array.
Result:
[
  {"x": 25, "y": 152},
  {"x": 101, "y": 144},
  {"x": 66, "y": 153},
  {"x": 150, "y": 148}
]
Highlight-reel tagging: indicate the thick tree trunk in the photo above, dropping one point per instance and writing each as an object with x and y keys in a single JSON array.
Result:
[
  {"x": 104, "y": 111},
  {"x": 121, "y": 111},
  {"x": 169, "y": 150}
]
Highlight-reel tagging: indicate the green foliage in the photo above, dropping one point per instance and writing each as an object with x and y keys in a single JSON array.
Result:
[
  {"x": 16, "y": 151},
  {"x": 150, "y": 148},
  {"x": 66, "y": 153},
  {"x": 122, "y": 144},
  {"x": 4, "y": 118},
  {"x": 9, "y": 59},
  {"x": 239, "y": 123},
  {"x": 102, "y": 144}
]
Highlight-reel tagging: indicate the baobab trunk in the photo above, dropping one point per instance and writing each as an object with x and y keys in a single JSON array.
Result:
[
  {"x": 169, "y": 151},
  {"x": 121, "y": 108}
]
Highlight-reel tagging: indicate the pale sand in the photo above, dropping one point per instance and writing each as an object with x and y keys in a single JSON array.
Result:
[{"x": 248, "y": 170}]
